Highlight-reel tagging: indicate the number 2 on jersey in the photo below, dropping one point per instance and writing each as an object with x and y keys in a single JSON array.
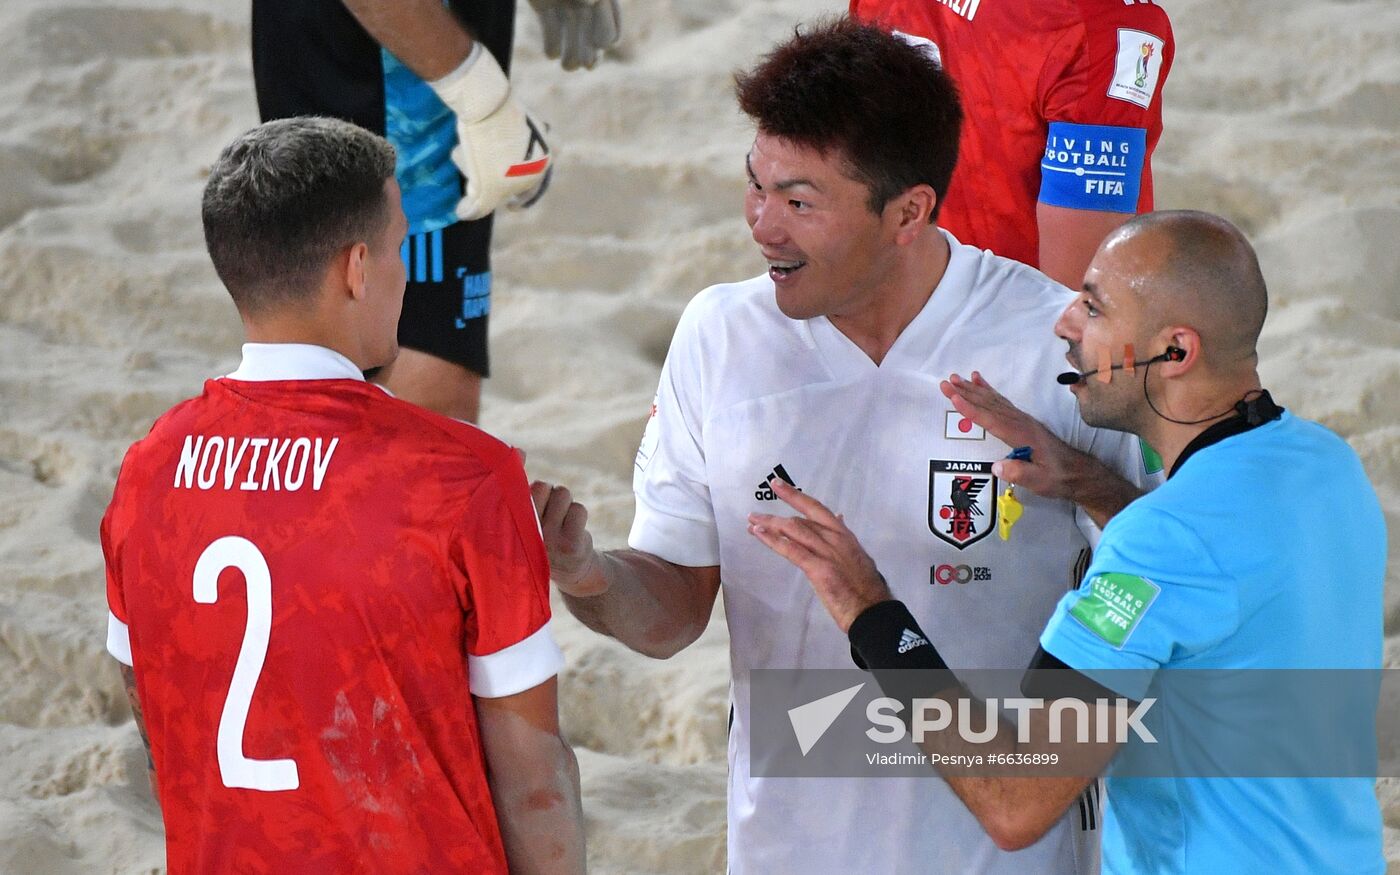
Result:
[{"x": 236, "y": 769}]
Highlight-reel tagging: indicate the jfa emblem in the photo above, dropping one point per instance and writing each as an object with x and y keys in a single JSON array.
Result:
[{"x": 962, "y": 506}]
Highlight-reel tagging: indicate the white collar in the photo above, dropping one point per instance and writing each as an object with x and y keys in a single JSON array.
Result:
[{"x": 264, "y": 362}]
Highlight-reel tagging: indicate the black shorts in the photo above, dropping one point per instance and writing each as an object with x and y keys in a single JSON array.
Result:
[
  {"x": 311, "y": 57},
  {"x": 448, "y": 299}
]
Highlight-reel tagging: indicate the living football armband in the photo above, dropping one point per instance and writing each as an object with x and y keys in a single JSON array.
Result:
[{"x": 1093, "y": 167}]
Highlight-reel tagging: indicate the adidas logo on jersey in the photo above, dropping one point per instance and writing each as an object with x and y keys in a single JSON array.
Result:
[
  {"x": 911, "y": 639},
  {"x": 765, "y": 492}
]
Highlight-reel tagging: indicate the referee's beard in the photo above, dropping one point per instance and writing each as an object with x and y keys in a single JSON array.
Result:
[{"x": 1117, "y": 404}]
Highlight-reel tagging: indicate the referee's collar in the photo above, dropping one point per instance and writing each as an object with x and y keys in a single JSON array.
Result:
[
  {"x": 1250, "y": 413},
  {"x": 266, "y": 362}
]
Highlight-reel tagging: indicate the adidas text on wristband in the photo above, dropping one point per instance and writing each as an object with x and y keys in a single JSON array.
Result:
[{"x": 886, "y": 636}]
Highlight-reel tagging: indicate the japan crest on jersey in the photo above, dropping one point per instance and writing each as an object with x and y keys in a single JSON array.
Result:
[{"x": 962, "y": 507}]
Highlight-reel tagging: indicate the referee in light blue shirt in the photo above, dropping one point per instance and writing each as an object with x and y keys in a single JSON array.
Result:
[
  {"x": 1183, "y": 580},
  {"x": 1265, "y": 549}
]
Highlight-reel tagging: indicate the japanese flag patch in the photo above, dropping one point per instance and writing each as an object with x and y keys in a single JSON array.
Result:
[
  {"x": 956, "y": 427},
  {"x": 1138, "y": 64}
]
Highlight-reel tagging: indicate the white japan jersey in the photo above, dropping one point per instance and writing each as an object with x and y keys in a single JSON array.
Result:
[{"x": 747, "y": 393}]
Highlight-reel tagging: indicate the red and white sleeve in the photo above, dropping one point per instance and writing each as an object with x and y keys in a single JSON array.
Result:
[{"x": 510, "y": 647}]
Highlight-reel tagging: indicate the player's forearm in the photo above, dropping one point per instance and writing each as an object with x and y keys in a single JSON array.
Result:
[
  {"x": 539, "y": 806},
  {"x": 137, "y": 716},
  {"x": 1016, "y": 812},
  {"x": 647, "y": 603},
  {"x": 1099, "y": 490},
  {"x": 1014, "y": 809},
  {"x": 423, "y": 34},
  {"x": 1011, "y": 777}
]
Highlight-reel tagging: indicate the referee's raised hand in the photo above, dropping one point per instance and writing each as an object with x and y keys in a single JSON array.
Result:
[
  {"x": 1048, "y": 474},
  {"x": 1056, "y": 469}
]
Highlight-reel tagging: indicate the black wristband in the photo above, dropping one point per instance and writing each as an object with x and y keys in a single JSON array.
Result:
[
  {"x": 886, "y": 636},
  {"x": 887, "y": 641}
]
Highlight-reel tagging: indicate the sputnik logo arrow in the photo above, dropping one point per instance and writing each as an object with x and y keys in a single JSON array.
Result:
[{"x": 811, "y": 721}]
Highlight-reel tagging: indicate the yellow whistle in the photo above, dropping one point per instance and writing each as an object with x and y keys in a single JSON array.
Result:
[{"x": 1009, "y": 510}]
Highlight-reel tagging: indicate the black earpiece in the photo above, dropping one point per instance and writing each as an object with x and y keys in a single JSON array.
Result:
[{"x": 1175, "y": 354}]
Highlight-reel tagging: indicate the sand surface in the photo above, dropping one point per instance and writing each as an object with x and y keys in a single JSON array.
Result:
[{"x": 1283, "y": 116}]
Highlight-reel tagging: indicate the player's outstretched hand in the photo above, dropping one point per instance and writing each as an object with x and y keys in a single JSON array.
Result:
[
  {"x": 576, "y": 31},
  {"x": 573, "y": 564},
  {"x": 842, "y": 574},
  {"x": 500, "y": 149}
]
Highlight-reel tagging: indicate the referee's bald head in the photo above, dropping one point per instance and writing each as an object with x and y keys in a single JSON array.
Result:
[{"x": 1197, "y": 269}]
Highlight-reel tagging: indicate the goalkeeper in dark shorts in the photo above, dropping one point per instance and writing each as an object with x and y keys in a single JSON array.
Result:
[{"x": 431, "y": 77}]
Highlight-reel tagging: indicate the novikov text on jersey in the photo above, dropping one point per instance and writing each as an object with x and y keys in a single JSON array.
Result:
[{"x": 216, "y": 462}]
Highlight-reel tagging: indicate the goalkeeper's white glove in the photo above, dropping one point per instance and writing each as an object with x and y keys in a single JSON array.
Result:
[
  {"x": 500, "y": 149},
  {"x": 577, "y": 30}
]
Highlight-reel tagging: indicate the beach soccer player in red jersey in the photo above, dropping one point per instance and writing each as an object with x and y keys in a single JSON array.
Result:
[
  {"x": 331, "y": 606},
  {"x": 1063, "y": 104}
]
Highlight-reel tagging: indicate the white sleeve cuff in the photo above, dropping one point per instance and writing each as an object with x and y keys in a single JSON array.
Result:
[
  {"x": 517, "y": 668},
  {"x": 678, "y": 540},
  {"x": 118, "y": 639}
]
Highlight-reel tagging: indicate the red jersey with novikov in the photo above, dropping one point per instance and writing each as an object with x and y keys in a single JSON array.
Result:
[{"x": 312, "y": 579}]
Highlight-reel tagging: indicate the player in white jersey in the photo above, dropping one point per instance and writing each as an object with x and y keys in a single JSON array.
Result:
[{"x": 825, "y": 373}]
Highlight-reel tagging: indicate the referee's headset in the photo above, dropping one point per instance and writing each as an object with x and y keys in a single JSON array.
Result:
[
  {"x": 1256, "y": 407},
  {"x": 1173, "y": 354}
]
